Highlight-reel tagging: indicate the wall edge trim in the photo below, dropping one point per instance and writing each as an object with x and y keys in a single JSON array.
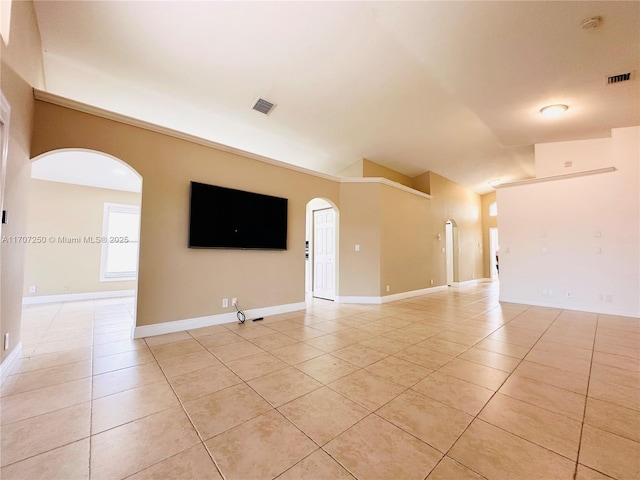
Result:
[
  {"x": 564, "y": 306},
  {"x": 386, "y": 181},
  {"x": 76, "y": 297},
  {"x": 473, "y": 281},
  {"x": 170, "y": 132},
  {"x": 552, "y": 178},
  {"x": 389, "y": 298},
  {"x": 152, "y": 127},
  {"x": 7, "y": 366},
  {"x": 209, "y": 320}
]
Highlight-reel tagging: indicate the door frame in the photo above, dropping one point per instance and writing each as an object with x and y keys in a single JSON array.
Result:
[{"x": 332, "y": 294}]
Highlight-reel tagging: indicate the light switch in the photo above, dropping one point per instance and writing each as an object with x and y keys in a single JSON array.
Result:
[{"x": 357, "y": 247}]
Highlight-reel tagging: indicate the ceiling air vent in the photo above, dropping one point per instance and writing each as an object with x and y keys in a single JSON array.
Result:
[
  {"x": 621, "y": 77},
  {"x": 263, "y": 106}
]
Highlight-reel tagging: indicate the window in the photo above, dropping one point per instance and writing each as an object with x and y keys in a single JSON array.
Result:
[
  {"x": 120, "y": 241},
  {"x": 493, "y": 209}
]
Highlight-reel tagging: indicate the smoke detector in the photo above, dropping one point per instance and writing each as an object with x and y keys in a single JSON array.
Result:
[
  {"x": 263, "y": 106},
  {"x": 591, "y": 23}
]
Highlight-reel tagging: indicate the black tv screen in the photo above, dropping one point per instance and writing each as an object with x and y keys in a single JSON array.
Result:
[{"x": 227, "y": 218}]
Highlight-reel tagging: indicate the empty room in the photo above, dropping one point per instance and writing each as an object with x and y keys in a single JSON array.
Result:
[{"x": 319, "y": 240}]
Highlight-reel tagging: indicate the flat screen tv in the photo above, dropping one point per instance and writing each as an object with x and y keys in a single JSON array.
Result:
[{"x": 226, "y": 218}]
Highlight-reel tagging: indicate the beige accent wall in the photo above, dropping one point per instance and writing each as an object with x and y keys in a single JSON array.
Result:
[
  {"x": 20, "y": 70},
  {"x": 360, "y": 224},
  {"x": 72, "y": 211},
  {"x": 407, "y": 262},
  {"x": 366, "y": 168},
  {"x": 396, "y": 230},
  {"x": 487, "y": 223},
  {"x": 372, "y": 169},
  {"x": 176, "y": 282},
  {"x": 454, "y": 202}
]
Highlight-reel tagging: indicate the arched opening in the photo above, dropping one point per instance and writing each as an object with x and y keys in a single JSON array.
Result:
[
  {"x": 84, "y": 210},
  {"x": 451, "y": 254},
  {"x": 321, "y": 263}
]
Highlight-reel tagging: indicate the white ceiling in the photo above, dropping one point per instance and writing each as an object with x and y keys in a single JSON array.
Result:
[
  {"x": 452, "y": 87},
  {"x": 82, "y": 167}
]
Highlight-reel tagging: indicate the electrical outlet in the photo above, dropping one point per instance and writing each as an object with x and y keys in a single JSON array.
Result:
[
  {"x": 432, "y": 281},
  {"x": 33, "y": 289},
  {"x": 225, "y": 303},
  {"x": 569, "y": 294},
  {"x": 388, "y": 288},
  {"x": 234, "y": 302}
]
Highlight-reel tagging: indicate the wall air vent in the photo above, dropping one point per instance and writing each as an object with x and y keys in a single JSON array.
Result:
[
  {"x": 621, "y": 77},
  {"x": 263, "y": 106}
]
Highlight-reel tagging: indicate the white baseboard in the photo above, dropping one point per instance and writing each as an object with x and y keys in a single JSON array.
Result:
[
  {"x": 75, "y": 297},
  {"x": 389, "y": 298},
  {"x": 475, "y": 281},
  {"x": 199, "y": 322},
  {"x": 580, "y": 308},
  {"x": 9, "y": 362}
]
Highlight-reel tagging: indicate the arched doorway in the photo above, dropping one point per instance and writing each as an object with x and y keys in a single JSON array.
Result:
[
  {"x": 85, "y": 206},
  {"x": 321, "y": 272}
]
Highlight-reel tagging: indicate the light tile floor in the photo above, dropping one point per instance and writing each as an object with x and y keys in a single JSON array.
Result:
[{"x": 451, "y": 385}]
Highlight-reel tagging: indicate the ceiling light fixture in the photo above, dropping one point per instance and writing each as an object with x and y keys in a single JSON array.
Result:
[
  {"x": 494, "y": 183},
  {"x": 553, "y": 111}
]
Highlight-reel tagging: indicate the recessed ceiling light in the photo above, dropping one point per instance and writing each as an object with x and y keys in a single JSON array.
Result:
[
  {"x": 553, "y": 111},
  {"x": 119, "y": 171}
]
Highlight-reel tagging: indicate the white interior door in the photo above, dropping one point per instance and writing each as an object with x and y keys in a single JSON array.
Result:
[
  {"x": 324, "y": 257},
  {"x": 449, "y": 251}
]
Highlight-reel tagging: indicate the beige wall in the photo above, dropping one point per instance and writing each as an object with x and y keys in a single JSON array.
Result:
[
  {"x": 487, "y": 223},
  {"x": 367, "y": 168},
  {"x": 407, "y": 263},
  {"x": 360, "y": 224},
  {"x": 63, "y": 210},
  {"x": 372, "y": 169},
  {"x": 176, "y": 282},
  {"x": 454, "y": 202},
  {"x": 20, "y": 70}
]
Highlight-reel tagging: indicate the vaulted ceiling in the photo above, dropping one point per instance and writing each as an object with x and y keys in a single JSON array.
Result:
[{"x": 451, "y": 87}]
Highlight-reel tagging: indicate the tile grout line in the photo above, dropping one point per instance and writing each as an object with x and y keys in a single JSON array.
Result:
[
  {"x": 274, "y": 408},
  {"x": 586, "y": 399},
  {"x": 93, "y": 321},
  {"x": 184, "y": 410},
  {"x": 476, "y": 417}
]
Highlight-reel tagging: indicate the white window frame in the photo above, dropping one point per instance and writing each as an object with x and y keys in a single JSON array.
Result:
[
  {"x": 115, "y": 276},
  {"x": 493, "y": 209}
]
